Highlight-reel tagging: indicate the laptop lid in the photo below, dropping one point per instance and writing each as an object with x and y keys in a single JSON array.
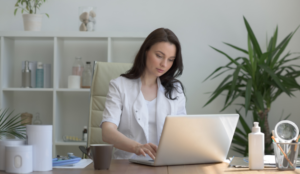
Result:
[{"x": 191, "y": 139}]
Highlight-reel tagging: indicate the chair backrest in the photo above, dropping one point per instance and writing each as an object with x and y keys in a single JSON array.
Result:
[{"x": 103, "y": 72}]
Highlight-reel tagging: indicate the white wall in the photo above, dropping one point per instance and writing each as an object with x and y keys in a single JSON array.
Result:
[{"x": 197, "y": 24}]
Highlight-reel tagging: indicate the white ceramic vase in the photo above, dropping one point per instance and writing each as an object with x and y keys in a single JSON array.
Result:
[{"x": 32, "y": 22}]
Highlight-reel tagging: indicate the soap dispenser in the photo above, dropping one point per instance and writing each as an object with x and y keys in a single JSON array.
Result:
[
  {"x": 26, "y": 76},
  {"x": 256, "y": 140}
]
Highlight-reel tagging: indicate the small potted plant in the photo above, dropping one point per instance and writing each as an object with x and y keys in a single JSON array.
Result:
[{"x": 32, "y": 20}]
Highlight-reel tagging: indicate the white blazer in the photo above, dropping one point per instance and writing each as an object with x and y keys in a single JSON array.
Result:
[{"x": 125, "y": 106}]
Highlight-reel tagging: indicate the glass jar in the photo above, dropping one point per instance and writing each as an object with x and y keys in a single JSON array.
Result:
[
  {"x": 87, "y": 76},
  {"x": 78, "y": 67},
  {"x": 37, "y": 120},
  {"x": 87, "y": 18}
]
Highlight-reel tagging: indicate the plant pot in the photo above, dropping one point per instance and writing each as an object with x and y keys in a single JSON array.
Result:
[{"x": 32, "y": 22}]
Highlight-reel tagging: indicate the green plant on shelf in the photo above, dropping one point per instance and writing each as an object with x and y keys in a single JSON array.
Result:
[
  {"x": 29, "y": 6},
  {"x": 11, "y": 125}
]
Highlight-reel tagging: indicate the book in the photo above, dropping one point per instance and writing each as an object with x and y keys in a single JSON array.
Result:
[{"x": 47, "y": 75}]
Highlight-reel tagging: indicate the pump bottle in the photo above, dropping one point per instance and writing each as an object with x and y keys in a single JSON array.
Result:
[
  {"x": 26, "y": 76},
  {"x": 256, "y": 148}
]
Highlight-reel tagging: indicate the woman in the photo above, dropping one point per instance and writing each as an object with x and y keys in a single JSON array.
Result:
[{"x": 139, "y": 101}]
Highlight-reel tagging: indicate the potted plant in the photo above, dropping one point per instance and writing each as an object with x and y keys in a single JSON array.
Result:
[
  {"x": 11, "y": 125},
  {"x": 258, "y": 77},
  {"x": 32, "y": 20}
]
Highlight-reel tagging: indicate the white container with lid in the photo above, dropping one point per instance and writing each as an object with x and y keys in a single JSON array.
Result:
[
  {"x": 8, "y": 142},
  {"x": 256, "y": 141},
  {"x": 18, "y": 159},
  {"x": 40, "y": 136}
]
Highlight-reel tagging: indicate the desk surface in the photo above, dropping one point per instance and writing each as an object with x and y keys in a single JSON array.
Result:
[{"x": 125, "y": 167}]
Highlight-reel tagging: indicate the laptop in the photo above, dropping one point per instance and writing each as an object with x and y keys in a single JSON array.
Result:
[{"x": 193, "y": 139}]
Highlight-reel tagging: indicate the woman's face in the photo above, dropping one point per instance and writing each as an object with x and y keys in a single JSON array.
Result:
[{"x": 160, "y": 58}]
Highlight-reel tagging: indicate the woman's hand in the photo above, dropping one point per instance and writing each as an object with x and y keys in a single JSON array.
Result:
[
  {"x": 144, "y": 149},
  {"x": 111, "y": 135}
]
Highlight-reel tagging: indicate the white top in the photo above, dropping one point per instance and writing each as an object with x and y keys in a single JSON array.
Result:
[
  {"x": 125, "y": 106},
  {"x": 151, "y": 106}
]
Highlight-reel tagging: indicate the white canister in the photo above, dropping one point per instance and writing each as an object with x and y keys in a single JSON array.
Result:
[
  {"x": 8, "y": 142},
  {"x": 18, "y": 159},
  {"x": 74, "y": 82},
  {"x": 40, "y": 137}
]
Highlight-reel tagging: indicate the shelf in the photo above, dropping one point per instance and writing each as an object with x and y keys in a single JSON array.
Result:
[
  {"x": 62, "y": 143},
  {"x": 28, "y": 89},
  {"x": 77, "y": 34},
  {"x": 16, "y": 50},
  {"x": 46, "y": 89},
  {"x": 72, "y": 90},
  {"x": 67, "y": 48},
  {"x": 66, "y": 109}
]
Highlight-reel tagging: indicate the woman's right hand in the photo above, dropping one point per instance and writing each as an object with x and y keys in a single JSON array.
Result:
[{"x": 148, "y": 148}]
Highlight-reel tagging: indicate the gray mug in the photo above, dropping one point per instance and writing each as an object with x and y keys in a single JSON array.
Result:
[{"x": 102, "y": 154}]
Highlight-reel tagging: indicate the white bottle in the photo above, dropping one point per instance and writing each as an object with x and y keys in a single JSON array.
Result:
[
  {"x": 256, "y": 148},
  {"x": 39, "y": 79}
]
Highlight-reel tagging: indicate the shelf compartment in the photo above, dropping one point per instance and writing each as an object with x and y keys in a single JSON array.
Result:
[
  {"x": 67, "y": 48},
  {"x": 31, "y": 102},
  {"x": 71, "y": 115},
  {"x": 18, "y": 49}
]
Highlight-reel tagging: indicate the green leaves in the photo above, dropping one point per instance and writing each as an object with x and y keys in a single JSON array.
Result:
[
  {"x": 275, "y": 78},
  {"x": 258, "y": 72},
  {"x": 232, "y": 60},
  {"x": 248, "y": 95},
  {"x": 15, "y": 12},
  {"x": 235, "y": 47},
  {"x": 259, "y": 78},
  {"x": 253, "y": 38},
  {"x": 11, "y": 124},
  {"x": 250, "y": 50},
  {"x": 29, "y": 6},
  {"x": 240, "y": 137},
  {"x": 235, "y": 77},
  {"x": 275, "y": 38}
]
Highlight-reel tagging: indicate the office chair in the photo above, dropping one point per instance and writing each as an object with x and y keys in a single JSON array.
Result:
[{"x": 103, "y": 72}]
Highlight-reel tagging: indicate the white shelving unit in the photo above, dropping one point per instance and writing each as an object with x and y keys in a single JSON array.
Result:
[{"x": 66, "y": 109}]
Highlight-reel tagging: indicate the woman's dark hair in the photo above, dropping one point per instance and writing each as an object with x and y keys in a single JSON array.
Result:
[{"x": 168, "y": 79}]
